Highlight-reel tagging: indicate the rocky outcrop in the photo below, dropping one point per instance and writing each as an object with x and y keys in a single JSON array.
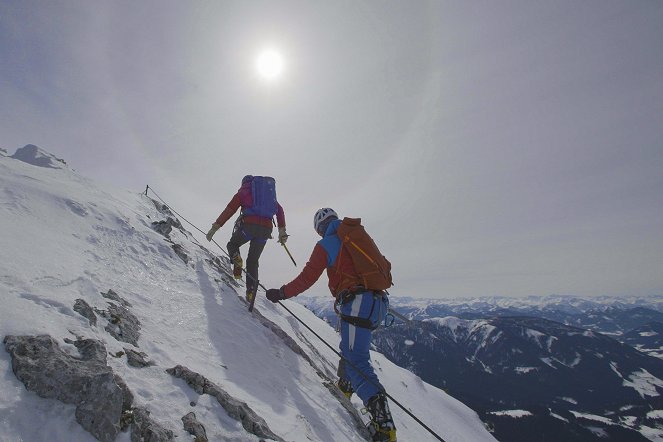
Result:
[
  {"x": 110, "y": 294},
  {"x": 84, "y": 309},
  {"x": 165, "y": 210},
  {"x": 166, "y": 227},
  {"x": 122, "y": 324},
  {"x": 137, "y": 359},
  {"x": 163, "y": 227},
  {"x": 181, "y": 252},
  {"x": 194, "y": 427},
  {"x": 145, "y": 429},
  {"x": 88, "y": 382},
  {"x": 235, "y": 408}
]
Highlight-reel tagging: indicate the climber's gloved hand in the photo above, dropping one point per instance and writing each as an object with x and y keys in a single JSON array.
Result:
[
  {"x": 275, "y": 295},
  {"x": 212, "y": 231},
  {"x": 283, "y": 236}
]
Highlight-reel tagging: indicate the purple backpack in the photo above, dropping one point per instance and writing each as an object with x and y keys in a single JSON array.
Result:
[{"x": 263, "y": 193}]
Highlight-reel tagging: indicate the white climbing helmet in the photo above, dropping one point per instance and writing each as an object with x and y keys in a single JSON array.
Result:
[{"x": 322, "y": 215}]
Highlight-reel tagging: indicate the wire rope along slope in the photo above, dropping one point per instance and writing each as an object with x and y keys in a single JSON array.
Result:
[{"x": 336, "y": 352}]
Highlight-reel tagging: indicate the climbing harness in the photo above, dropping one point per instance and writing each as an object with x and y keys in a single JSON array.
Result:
[{"x": 349, "y": 295}]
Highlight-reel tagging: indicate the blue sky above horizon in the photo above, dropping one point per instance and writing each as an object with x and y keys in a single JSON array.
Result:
[{"x": 492, "y": 148}]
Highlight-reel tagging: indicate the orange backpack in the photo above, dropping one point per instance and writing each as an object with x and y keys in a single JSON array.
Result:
[{"x": 372, "y": 268}]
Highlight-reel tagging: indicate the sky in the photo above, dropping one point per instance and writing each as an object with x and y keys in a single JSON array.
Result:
[{"x": 491, "y": 148}]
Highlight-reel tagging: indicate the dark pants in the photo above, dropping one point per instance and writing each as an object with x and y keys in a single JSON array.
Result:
[{"x": 258, "y": 236}]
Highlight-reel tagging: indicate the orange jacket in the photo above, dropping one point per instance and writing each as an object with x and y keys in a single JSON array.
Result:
[{"x": 328, "y": 254}]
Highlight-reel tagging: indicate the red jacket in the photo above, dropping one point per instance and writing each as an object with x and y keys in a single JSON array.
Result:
[
  {"x": 244, "y": 199},
  {"x": 334, "y": 258}
]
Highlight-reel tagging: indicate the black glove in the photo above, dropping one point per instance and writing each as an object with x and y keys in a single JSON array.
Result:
[{"x": 275, "y": 295}]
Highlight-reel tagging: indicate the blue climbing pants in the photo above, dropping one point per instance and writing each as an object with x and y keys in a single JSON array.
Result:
[{"x": 356, "y": 342}]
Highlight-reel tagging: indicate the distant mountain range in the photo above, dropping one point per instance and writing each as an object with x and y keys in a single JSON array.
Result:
[
  {"x": 619, "y": 317},
  {"x": 544, "y": 369}
]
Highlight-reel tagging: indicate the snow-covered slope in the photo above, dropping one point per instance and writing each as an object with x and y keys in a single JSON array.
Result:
[{"x": 65, "y": 238}]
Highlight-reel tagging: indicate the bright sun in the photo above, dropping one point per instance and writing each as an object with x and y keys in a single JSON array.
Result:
[{"x": 269, "y": 64}]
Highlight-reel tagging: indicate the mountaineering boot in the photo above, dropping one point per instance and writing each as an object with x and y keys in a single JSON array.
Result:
[
  {"x": 237, "y": 266},
  {"x": 381, "y": 426},
  {"x": 249, "y": 296},
  {"x": 346, "y": 387}
]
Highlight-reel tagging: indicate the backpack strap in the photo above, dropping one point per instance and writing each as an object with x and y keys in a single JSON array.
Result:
[
  {"x": 346, "y": 241},
  {"x": 348, "y": 279}
]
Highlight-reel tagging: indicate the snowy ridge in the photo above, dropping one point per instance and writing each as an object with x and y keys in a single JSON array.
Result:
[
  {"x": 65, "y": 238},
  {"x": 32, "y": 154},
  {"x": 508, "y": 364},
  {"x": 556, "y": 307},
  {"x": 568, "y": 303},
  {"x": 480, "y": 332}
]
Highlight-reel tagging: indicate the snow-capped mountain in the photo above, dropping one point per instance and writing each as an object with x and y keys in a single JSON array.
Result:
[
  {"x": 615, "y": 316},
  {"x": 556, "y": 376},
  {"x": 539, "y": 368},
  {"x": 582, "y": 312},
  {"x": 109, "y": 286},
  {"x": 647, "y": 338}
]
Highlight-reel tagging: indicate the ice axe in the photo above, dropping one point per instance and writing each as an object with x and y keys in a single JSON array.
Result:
[
  {"x": 288, "y": 252},
  {"x": 286, "y": 247}
]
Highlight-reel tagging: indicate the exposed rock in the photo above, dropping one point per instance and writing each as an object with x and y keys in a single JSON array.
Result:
[
  {"x": 165, "y": 227},
  {"x": 144, "y": 429},
  {"x": 194, "y": 427},
  {"x": 126, "y": 419},
  {"x": 100, "y": 396},
  {"x": 137, "y": 359},
  {"x": 123, "y": 325},
  {"x": 162, "y": 208},
  {"x": 179, "y": 251},
  {"x": 84, "y": 309},
  {"x": 90, "y": 349},
  {"x": 235, "y": 408},
  {"x": 110, "y": 294},
  {"x": 3, "y": 152}
]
